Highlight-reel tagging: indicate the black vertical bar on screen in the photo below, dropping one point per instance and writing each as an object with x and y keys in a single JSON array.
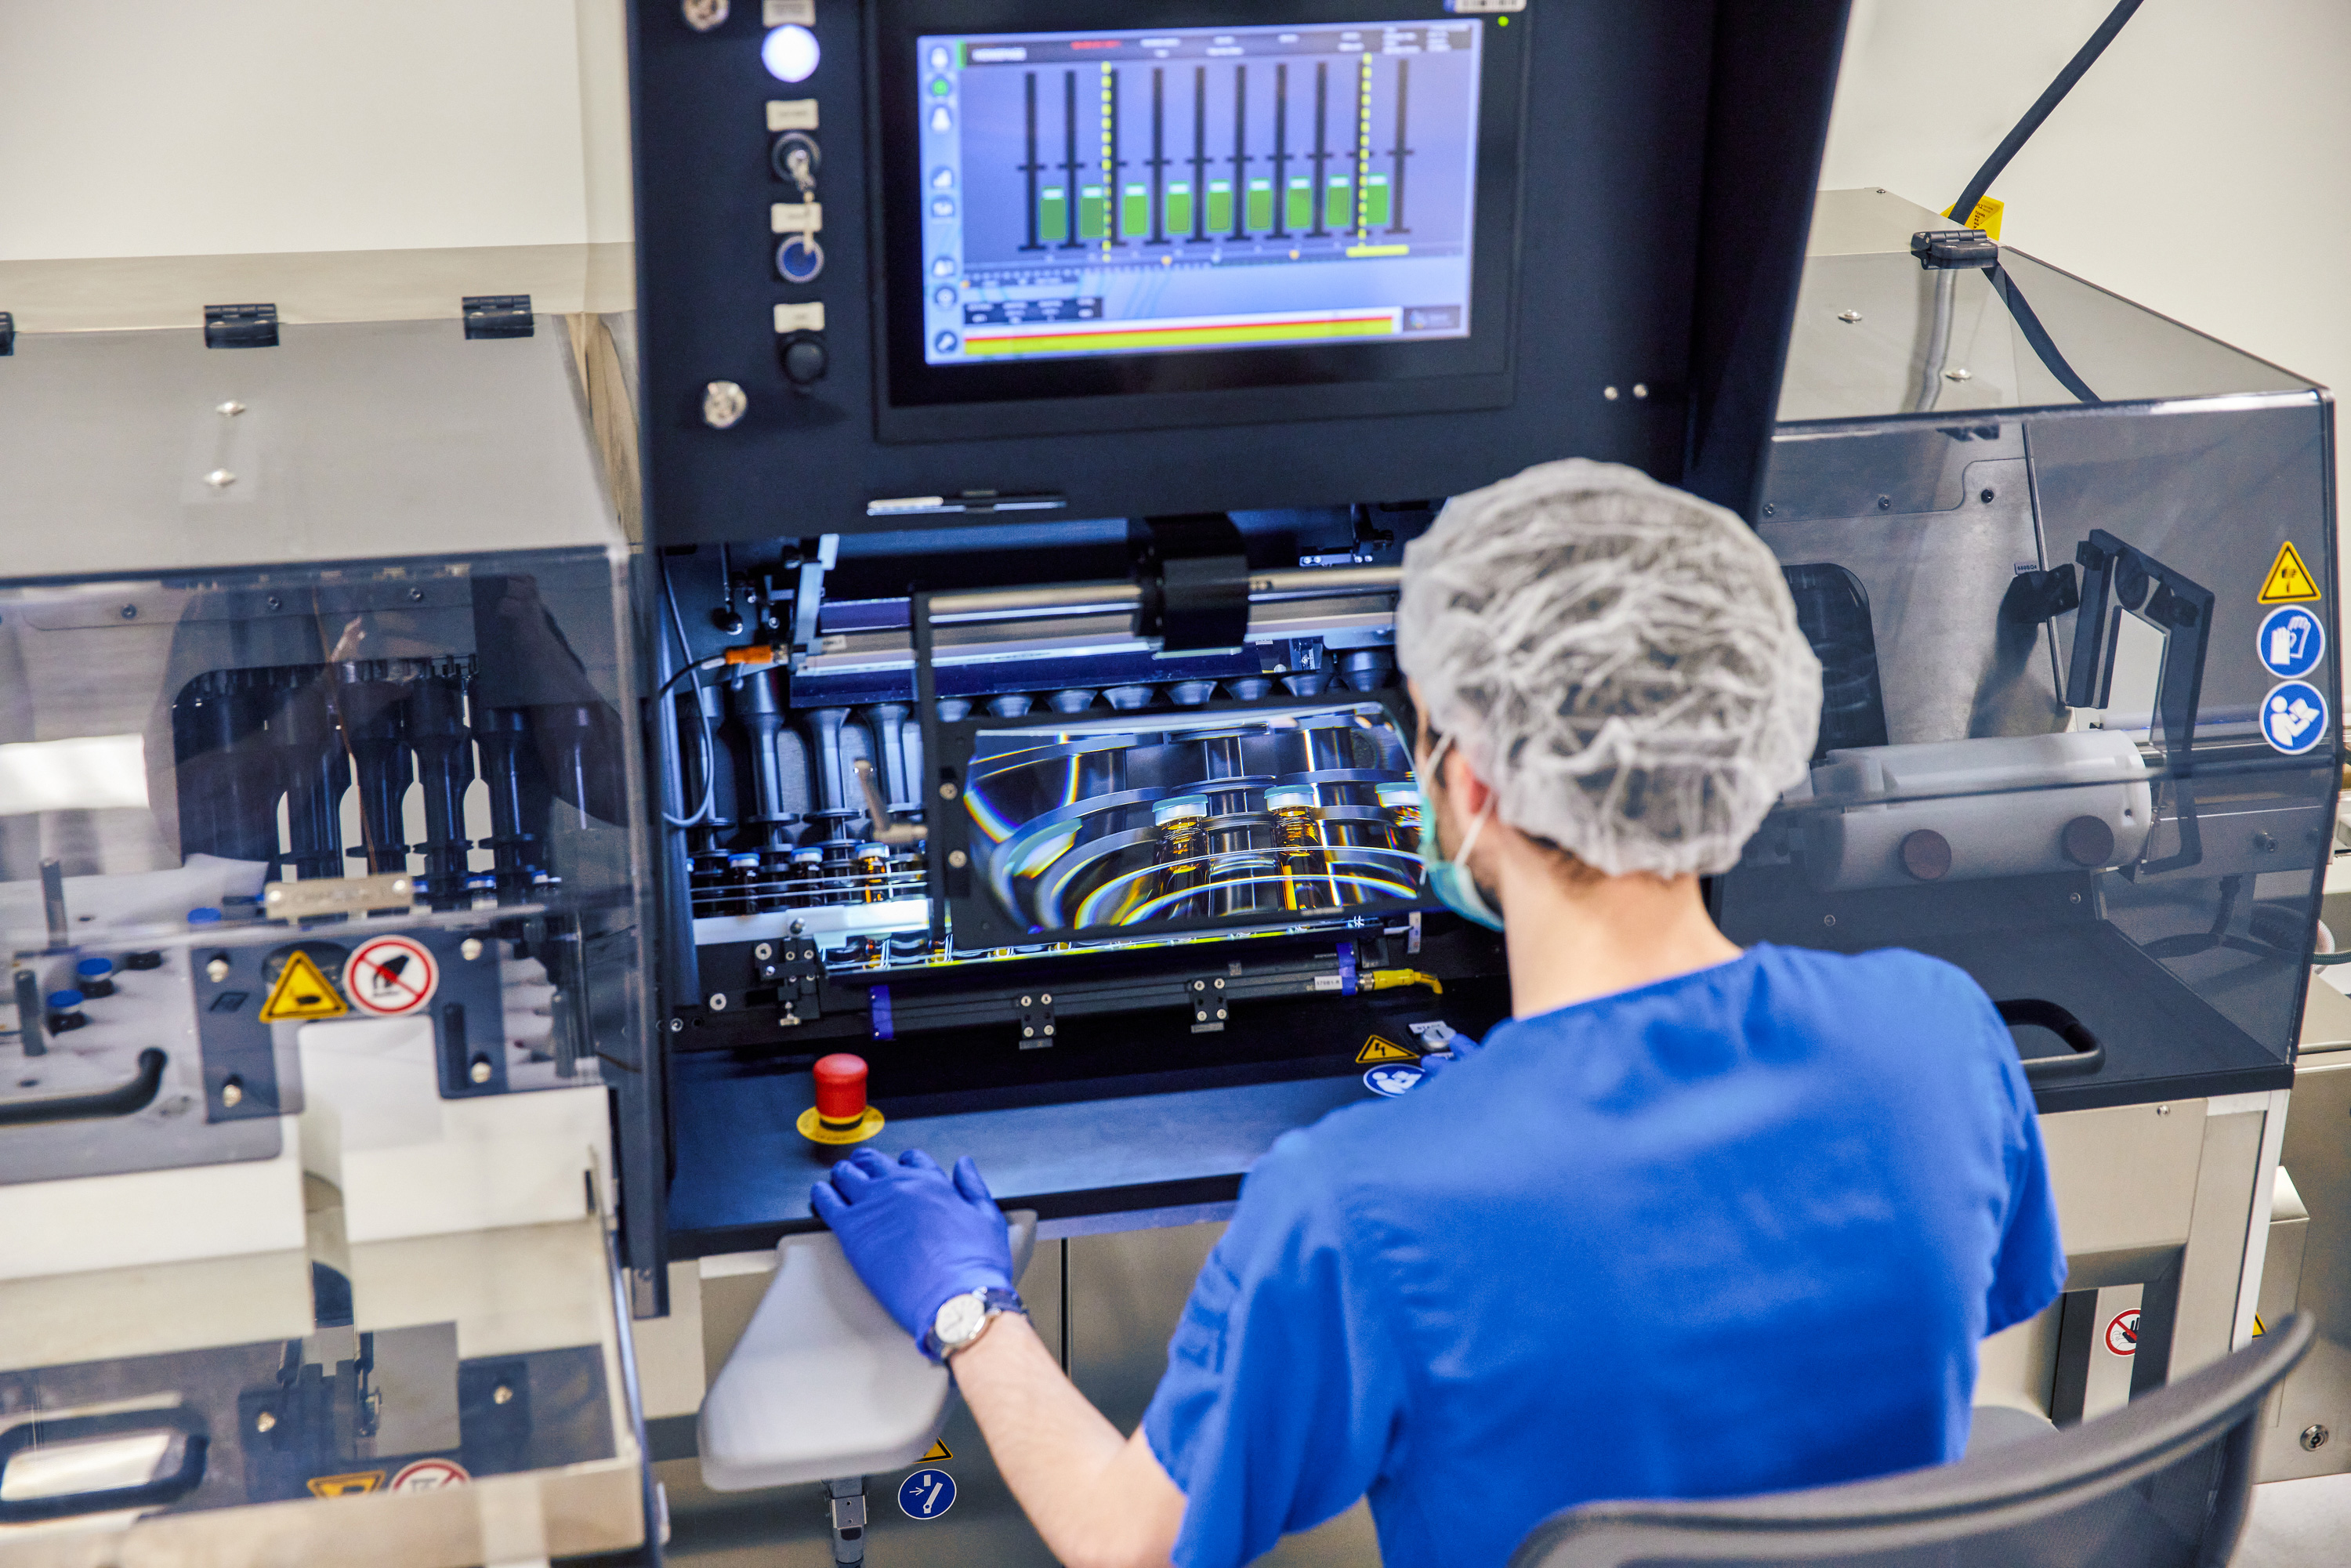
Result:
[
  {"x": 1030, "y": 167},
  {"x": 1402, "y": 152},
  {"x": 1321, "y": 142}
]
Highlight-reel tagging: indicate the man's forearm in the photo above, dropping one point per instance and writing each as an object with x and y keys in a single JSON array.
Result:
[{"x": 1099, "y": 1499}]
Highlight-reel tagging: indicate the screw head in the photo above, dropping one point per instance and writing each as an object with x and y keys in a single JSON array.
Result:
[
  {"x": 723, "y": 404},
  {"x": 1640, "y": 389},
  {"x": 1848, "y": 317},
  {"x": 764, "y": 951},
  {"x": 480, "y": 1071},
  {"x": 718, "y": 1001},
  {"x": 677, "y": 1026},
  {"x": 703, "y": 14},
  {"x": 2313, "y": 1436},
  {"x": 230, "y": 409},
  {"x": 1770, "y": 510},
  {"x": 216, "y": 971},
  {"x": 502, "y": 1395},
  {"x": 273, "y": 603},
  {"x": 416, "y": 596},
  {"x": 1028, "y": 1001},
  {"x": 2163, "y": 1110},
  {"x": 1028, "y": 1033},
  {"x": 957, "y": 859},
  {"x": 1611, "y": 393},
  {"x": 1048, "y": 1032},
  {"x": 1828, "y": 920},
  {"x": 1963, "y": 374},
  {"x": 1986, "y": 496},
  {"x": 231, "y": 1093},
  {"x": 2072, "y": 898},
  {"x": 264, "y": 1422},
  {"x": 470, "y": 949},
  {"x": 220, "y": 478},
  {"x": 130, "y": 613},
  {"x": 948, "y": 791},
  {"x": 1885, "y": 503}
]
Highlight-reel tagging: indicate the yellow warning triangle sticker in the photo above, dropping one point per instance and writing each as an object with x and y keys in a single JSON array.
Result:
[
  {"x": 346, "y": 1486},
  {"x": 2259, "y": 1327},
  {"x": 302, "y": 994},
  {"x": 2289, "y": 580},
  {"x": 1381, "y": 1048},
  {"x": 939, "y": 1451}
]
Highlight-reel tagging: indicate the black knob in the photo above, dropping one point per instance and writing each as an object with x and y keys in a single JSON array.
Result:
[{"x": 805, "y": 360}]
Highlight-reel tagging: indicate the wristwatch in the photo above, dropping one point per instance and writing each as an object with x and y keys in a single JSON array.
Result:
[{"x": 964, "y": 1318}]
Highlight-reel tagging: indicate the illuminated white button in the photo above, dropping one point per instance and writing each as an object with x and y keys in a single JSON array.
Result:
[{"x": 790, "y": 54}]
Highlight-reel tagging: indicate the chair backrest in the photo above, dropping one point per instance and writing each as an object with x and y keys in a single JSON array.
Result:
[{"x": 2164, "y": 1482}]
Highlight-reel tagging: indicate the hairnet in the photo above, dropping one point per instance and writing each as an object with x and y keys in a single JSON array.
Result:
[{"x": 1618, "y": 660}]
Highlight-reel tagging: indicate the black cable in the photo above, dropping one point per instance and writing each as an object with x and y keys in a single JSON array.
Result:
[{"x": 1962, "y": 209}]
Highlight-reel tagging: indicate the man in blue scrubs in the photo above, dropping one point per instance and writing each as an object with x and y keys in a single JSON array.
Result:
[{"x": 1695, "y": 1222}]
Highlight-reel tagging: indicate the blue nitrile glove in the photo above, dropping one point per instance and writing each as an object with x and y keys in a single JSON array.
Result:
[
  {"x": 914, "y": 1234},
  {"x": 1458, "y": 1047}
]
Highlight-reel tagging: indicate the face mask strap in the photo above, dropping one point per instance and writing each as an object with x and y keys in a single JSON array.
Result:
[{"x": 1437, "y": 775}]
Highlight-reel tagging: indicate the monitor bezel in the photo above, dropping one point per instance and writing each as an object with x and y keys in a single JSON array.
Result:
[{"x": 919, "y": 401}]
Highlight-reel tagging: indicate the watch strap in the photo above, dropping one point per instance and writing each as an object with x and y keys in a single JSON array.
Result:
[{"x": 993, "y": 1299}]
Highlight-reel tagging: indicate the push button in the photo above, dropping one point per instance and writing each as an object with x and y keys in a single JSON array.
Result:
[{"x": 805, "y": 359}]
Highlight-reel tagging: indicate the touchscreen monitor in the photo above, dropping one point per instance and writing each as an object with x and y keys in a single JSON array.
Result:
[{"x": 1174, "y": 190}]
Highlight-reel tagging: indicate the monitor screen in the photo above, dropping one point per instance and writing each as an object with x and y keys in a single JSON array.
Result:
[{"x": 1176, "y": 190}]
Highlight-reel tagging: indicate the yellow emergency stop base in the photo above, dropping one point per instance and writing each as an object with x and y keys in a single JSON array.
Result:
[{"x": 814, "y": 1129}]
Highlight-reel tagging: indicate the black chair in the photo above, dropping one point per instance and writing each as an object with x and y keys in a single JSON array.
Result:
[{"x": 2164, "y": 1482}]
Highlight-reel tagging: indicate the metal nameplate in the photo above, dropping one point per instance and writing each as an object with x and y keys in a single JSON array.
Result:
[{"x": 337, "y": 896}]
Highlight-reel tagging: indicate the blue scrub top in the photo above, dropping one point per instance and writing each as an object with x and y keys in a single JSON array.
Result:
[{"x": 1738, "y": 1231}]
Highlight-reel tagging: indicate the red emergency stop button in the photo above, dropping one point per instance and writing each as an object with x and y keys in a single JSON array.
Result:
[{"x": 840, "y": 1114}]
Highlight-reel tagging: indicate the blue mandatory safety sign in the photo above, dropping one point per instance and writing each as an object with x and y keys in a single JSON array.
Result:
[
  {"x": 2294, "y": 716},
  {"x": 2293, "y": 641},
  {"x": 926, "y": 1494},
  {"x": 1400, "y": 1079}
]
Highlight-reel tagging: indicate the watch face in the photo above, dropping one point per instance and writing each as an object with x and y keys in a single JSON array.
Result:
[{"x": 958, "y": 1320}]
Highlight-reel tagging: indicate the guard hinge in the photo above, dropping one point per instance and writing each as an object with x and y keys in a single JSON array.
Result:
[
  {"x": 240, "y": 326},
  {"x": 498, "y": 316},
  {"x": 1036, "y": 1019},
  {"x": 848, "y": 1513},
  {"x": 1937, "y": 249},
  {"x": 1208, "y": 1002},
  {"x": 798, "y": 973},
  {"x": 7, "y": 334}
]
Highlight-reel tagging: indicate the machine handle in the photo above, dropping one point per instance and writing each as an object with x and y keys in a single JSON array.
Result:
[
  {"x": 2089, "y": 1053},
  {"x": 125, "y": 1099}
]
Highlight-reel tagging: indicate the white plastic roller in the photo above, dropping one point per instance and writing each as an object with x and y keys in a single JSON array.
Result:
[{"x": 2001, "y": 807}]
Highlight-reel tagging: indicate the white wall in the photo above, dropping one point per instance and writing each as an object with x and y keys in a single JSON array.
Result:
[
  {"x": 141, "y": 128},
  {"x": 2202, "y": 168}
]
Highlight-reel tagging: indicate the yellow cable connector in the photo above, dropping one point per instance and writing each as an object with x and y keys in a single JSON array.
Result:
[{"x": 1389, "y": 980}]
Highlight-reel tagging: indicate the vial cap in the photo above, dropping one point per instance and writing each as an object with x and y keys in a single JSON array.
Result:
[
  {"x": 1178, "y": 807},
  {"x": 203, "y": 916},
  {"x": 739, "y": 861},
  {"x": 1399, "y": 794},
  {"x": 65, "y": 1001},
  {"x": 1289, "y": 797},
  {"x": 95, "y": 968}
]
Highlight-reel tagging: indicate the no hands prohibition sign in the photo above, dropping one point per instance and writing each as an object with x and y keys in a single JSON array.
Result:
[{"x": 391, "y": 977}]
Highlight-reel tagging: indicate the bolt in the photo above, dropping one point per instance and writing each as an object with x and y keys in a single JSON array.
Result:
[
  {"x": 704, "y": 15},
  {"x": 1220, "y": 1012},
  {"x": 948, "y": 791},
  {"x": 1220, "y": 984},
  {"x": 2163, "y": 1110},
  {"x": 1610, "y": 393},
  {"x": 501, "y": 1394},
  {"x": 231, "y": 1093},
  {"x": 130, "y": 613},
  {"x": 2313, "y": 1436},
  {"x": 230, "y": 409},
  {"x": 1047, "y": 998},
  {"x": 764, "y": 951},
  {"x": 1885, "y": 503},
  {"x": 480, "y": 1071},
  {"x": 416, "y": 596},
  {"x": 1028, "y": 1001},
  {"x": 1048, "y": 1032},
  {"x": 1849, "y": 317},
  {"x": 220, "y": 478},
  {"x": 1769, "y": 510},
  {"x": 2072, "y": 898},
  {"x": 718, "y": 1001},
  {"x": 216, "y": 971},
  {"x": 273, "y": 603},
  {"x": 724, "y": 404},
  {"x": 264, "y": 1422},
  {"x": 1828, "y": 920},
  {"x": 957, "y": 859},
  {"x": 1028, "y": 1033},
  {"x": 1200, "y": 985},
  {"x": 677, "y": 1026},
  {"x": 1958, "y": 375},
  {"x": 2265, "y": 842},
  {"x": 1640, "y": 389},
  {"x": 470, "y": 949},
  {"x": 1985, "y": 496}
]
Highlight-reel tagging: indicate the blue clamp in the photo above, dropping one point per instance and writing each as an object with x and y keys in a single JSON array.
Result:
[
  {"x": 882, "y": 1027},
  {"x": 1346, "y": 968}
]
